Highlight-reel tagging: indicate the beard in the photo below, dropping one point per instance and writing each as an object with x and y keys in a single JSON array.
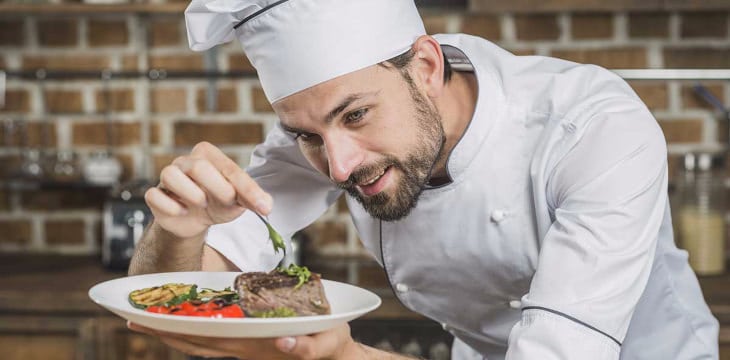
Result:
[{"x": 415, "y": 168}]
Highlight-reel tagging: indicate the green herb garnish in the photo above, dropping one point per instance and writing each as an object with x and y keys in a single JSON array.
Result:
[
  {"x": 275, "y": 313},
  {"x": 302, "y": 272},
  {"x": 276, "y": 240}
]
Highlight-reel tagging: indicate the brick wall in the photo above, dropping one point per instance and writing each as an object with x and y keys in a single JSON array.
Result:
[{"x": 155, "y": 120}]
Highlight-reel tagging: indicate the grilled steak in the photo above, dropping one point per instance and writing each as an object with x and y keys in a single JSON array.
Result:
[{"x": 275, "y": 294}]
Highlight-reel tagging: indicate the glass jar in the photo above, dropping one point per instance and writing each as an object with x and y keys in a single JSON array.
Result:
[{"x": 702, "y": 213}]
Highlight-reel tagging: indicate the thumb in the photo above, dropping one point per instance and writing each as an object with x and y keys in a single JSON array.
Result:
[{"x": 286, "y": 344}]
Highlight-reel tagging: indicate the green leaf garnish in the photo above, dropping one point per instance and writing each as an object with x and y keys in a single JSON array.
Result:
[
  {"x": 276, "y": 240},
  {"x": 302, "y": 272}
]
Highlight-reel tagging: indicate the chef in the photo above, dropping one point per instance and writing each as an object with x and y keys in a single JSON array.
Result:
[{"x": 521, "y": 201}]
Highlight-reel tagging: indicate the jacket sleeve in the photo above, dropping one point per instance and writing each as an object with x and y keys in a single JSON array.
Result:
[
  {"x": 300, "y": 193},
  {"x": 608, "y": 194}
]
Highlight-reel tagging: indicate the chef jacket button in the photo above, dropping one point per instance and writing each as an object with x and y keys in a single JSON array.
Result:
[
  {"x": 515, "y": 304},
  {"x": 498, "y": 215},
  {"x": 401, "y": 287}
]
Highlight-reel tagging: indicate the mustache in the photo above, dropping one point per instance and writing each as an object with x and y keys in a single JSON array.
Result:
[{"x": 365, "y": 173}]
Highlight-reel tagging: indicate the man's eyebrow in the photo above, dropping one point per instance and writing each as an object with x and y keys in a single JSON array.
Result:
[
  {"x": 344, "y": 104},
  {"x": 289, "y": 128},
  {"x": 334, "y": 112}
]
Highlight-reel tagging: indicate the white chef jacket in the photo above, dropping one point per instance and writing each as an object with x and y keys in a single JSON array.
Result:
[{"x": 552, "y": 241}]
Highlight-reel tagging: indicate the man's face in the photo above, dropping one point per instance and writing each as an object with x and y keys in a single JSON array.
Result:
[{"x": 372, "y": 132}]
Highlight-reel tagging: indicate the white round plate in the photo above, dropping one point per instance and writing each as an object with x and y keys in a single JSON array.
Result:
[{"x": 347, "y": 302}]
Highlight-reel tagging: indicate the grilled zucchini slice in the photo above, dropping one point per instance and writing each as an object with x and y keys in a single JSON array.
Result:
[
  {"x": 227, "y": 295},
  {"x": 168, "y": 294}
]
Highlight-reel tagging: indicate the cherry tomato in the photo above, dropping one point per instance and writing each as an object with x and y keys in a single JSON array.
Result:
[{"x": 209, "y": 309}]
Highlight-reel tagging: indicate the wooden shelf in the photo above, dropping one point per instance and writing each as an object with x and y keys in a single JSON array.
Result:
[{"x": 79, "y": 8}]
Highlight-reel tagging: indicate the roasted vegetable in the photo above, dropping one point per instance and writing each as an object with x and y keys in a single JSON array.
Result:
[
  {"x": 168, "y": 294},
  {"x": 227, "y": 295}
]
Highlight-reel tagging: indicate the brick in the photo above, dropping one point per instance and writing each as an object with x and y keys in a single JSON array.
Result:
[
  {"x": 435, "y": 24},
  {"x": 66, "y": 62},
  {"x": 63, "y": 101},
  {"x": 41, "y": 134},
  {"x": 239, "y": 62},
  {"x": 486, "y": 26},
  {"x": 64, "y": 199},
  {"x": 15, "y": 231},
  {"x": 127, "y": 162},
  {"x": 179, "y": 62},
  {"x": 191, "y": 133},
  {"x": 155, "y": 133},
  {"x": 537, "y": 27},
  {"x": 697, "y": 57},
  {"x": 704, "y": 25},
  {"x": 11, "y": 32},
  {"x": 16, "y": 100},
  {"x": 65, "y": 232},
  {"x": 58, "y": 32},
  {"x": 130, "y": 63},
  {"x": 165, "y": 31},
  {"x": 108, "y": 33},
  {"x": 654, "y": 95},
  {"x": 649, "y": 25},
  {"x": 682, "y": 130},
  {"x": 690, "y": 99},
  {"x": 168, "y": 100},
  {"x": 616, "y": 58},
  {"x": 118, "y": 100},
  {"x": 592, "y": 26},
  {"x": 227, "y": 100},
  {"x": 95, "y": 133},
  {"x": 259, "y": 100}
]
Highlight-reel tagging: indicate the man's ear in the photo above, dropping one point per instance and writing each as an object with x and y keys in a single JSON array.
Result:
[{"x": 428, "y": 65}]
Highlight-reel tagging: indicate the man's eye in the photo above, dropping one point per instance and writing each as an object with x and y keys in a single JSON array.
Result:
[
  {"x": 356, "y": 115},
  {"x": 306, "y": 137}
]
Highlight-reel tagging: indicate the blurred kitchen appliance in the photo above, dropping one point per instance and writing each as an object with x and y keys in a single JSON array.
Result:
[{"x": 125, "y": 217}]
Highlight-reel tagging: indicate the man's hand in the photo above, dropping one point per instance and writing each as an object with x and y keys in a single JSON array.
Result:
[
  {"x": 202, "y": 189},
  {"x": 332, "y": 344}
]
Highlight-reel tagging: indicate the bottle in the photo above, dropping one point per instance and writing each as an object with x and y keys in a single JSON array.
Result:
[{"x": 702, "y": 214}]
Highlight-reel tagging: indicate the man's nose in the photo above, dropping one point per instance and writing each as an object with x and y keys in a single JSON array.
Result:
[{"x": 344, "y": 155}]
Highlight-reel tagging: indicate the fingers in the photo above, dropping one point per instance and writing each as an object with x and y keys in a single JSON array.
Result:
[
  {"x": 329, "y": 344},
  {"x": 248, "y": 191},
  {"x": 215, "y": 347},
  {"x": 181, "y": 343},
  {"x": 206, "y": 177},
  {"x": 161, "y": 202}
]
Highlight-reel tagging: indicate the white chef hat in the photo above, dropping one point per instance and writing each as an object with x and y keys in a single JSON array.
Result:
[{"x": 296, "y": 44}]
